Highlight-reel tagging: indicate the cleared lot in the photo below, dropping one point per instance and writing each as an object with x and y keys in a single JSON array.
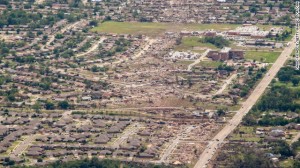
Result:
[
  {"x": 262, "y": 56},
  {"x": 154, "y": 29}
]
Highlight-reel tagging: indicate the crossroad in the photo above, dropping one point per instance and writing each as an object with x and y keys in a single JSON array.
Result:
[
  {"x": 70, "y": 26},
  {"x": 127, "y": 133},
  {"x": 23, "y": 145},
  {"x": 167, "y": 152}
]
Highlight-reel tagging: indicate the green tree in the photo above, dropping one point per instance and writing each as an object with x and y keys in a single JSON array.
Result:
[
  {"x": 59, "y": 36},
  {"x": 221, "y": 112},
  {"x": 49, "y": 105},
  {"x": 295, "y": 81},
  {"x": 93, "y": 23},
  {"x": 36, "y": 107},
  {"x": 218, "y": 41},
  {"x": 251, "y": 160},
  {"x": 63, "y": 104}
]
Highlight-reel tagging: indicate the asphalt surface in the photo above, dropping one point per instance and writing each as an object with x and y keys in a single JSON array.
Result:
[
  {"x": 18, "y": 150},
  {"x": 168, "y": 151},
  {"x": 93, "y": 48},
  {"x": 210, "y": 150},
  {"x": 127, "y": 134},
  {"x": 22, "y": 146},
  {"x": 197, "y": 61},
  {"x": 67, "y": 27},
  {"x": 296, "y": 138},
  {"x": 226, "y": 83}
]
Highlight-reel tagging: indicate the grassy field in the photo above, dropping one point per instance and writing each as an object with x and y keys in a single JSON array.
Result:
[
  {"x": 149, "y": 29},
  {"x": 189, "y": 43},
  {"x": 268, "y": 57},
  {"x": 154, "y": 29},
  {"x": 288, "y": 84},
  {"x": 288, "y": 163},
  {"x": 248, "y": 134},
  {"x": 210, "y": 64},
  {"x": 291, "y": 35},
  {"x": 211, "y": 106},
  {"x": 184, "y": 62},
  {"x": 247, "y": 130}
]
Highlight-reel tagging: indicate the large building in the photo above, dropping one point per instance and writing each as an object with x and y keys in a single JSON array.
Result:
[{"x": 225, "y": 54}]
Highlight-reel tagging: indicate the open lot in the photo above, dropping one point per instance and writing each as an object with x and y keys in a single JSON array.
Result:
[
  {"x": 265, "y": 56},
  {"x": 210, "y": 64},
  {"x": 150, "y": 29},
  {"x": 193, "y": 43},
  {"x": 154, "y": 29}
]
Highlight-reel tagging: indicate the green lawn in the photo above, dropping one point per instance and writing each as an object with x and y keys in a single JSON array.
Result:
[
  {"x": 184, "y": 62},
  {"x": 149, "y": 29},
  {"x": 247, "y": 130},
  {"x": 291, "y": 35},
  {"x": 288, "y": 163},
  {"x": 211, "y": 106},
  {"x": 266, "y": 56},
  {"x": 154, "y": 29},
  {"x": 288, "y": 84},
  {"x": 247, "y": 134},
  {"x": 189, "y": 43},
  {"x": 210, "y": 64},
  {"x": 248, "y": 138},
  {"x": 294, "y": 51}
]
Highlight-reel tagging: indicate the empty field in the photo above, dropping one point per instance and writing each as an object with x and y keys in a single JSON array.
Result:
[
  {"x": 149, "y": 29},
  {"x": 264, "y": 56},
  {"x": 154, "y": 29},
  {"x": 210, "y": 64},
  {"x": 193, "y": 43}
]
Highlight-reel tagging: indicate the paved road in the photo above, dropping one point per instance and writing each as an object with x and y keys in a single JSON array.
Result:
[
  {"x": 246, "y": 106},
  {"x": 127, "y": 133},
  {"x": 140, "y": 53},
  {"x": 66, "y": 114},
  {"x": 167, "y": 152},
  {"x": 93, "y": 48},
  {"x": 226, "y": 83},
  {"x": 296, "y": 138},
  {"x": 67, "y": 27},
  {"x": 143, "y": 50},
  {"x": 198, "y": 60},
  {"x": 22, "y": 146}
]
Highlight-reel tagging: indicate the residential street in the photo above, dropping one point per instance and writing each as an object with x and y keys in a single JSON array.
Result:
[
  {"x": 67, "y": 27},
  {"x": 20, "y": 148},
  {"x": 197, "y": 61},
  {"x": 167, "y": 152},
  {"x": 91, "y": 49},
  {"x": 296, "y": 138},
  {"x": 226, "y": 83},
  {"x": 129, "y": 132},
  {"x": 140, "y": 53}
]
